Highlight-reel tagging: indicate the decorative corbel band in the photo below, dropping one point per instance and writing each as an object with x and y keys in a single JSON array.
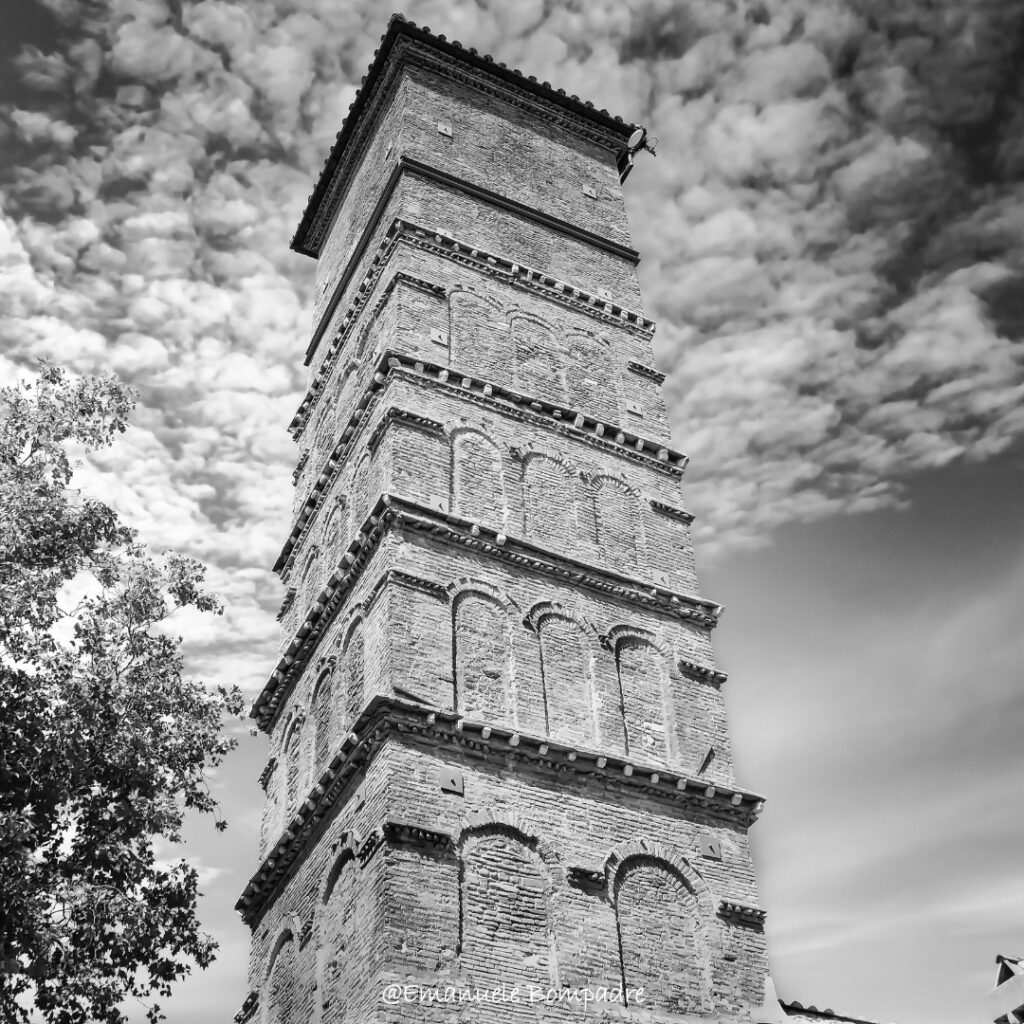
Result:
[
  {"x": 249, "y": 1008},
  {"x": 441, "y": 243},
  {"x": 395, "y": 512},
  {"x": 410, "y": 281},
  {"x": 512, "y": 404},
  {"x": 386, "y": 716},
  {"x": 401, "y": 833},
  {"x": 672, "y": 512},
  {"x": 646, "y": 371},
  {"x": 303, "y": 458},
  {"x": 588, "y": 879},
  {"x": 268, "y": 770},
  {"x": 369, "y": 846},
  {"x": 742, "y": 914},
  {"x": 289, "y": 600},
  {"x": 396, "y": 415},
  {"x": 702, "y": 672},
  {"x": 410, "y": 582}
]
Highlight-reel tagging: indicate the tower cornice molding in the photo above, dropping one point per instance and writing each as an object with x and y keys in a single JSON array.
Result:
[
  {"x": 394, "y": 512},
  {"x": 406, "y": 43},
  {"x": 386, "y": 717},
  {"x": 439, "y": 241},
  {"x": 551, "y": 416}
]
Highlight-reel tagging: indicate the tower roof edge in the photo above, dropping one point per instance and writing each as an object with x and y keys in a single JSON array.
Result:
[{"x": 317, "y": 206}]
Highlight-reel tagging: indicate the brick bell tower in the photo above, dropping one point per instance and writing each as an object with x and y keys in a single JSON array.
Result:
[{"x": 499, "y": 751}]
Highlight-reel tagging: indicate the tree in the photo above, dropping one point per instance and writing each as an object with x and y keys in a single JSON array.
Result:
[{"x": 104, "y": 745}]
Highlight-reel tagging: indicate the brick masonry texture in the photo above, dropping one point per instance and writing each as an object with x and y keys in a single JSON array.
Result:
[{"x": 498, "y": 744}]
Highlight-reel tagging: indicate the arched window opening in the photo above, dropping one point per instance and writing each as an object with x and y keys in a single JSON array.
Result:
[
  {"x": 293, "y": 761},
  {"x": 338, "y": 938},
  {"x": 480, "y": 657},
  {"x": 353, "y": 670},
  {"x": 282, "y": 985},
  {"x": 504, "y": 933},
  {"x": 617, "y": 518},
  {"x": 656, "y": 914},
  {"x": 566, "y": 673},
  {"x": 548, "y": 498},
  {"x": 476, "y": 336},
  {"x": 644, "y": 685},
  {"x": 322, "y": 721},
  {"x": 538, "y": 362},
  {"x": 478, "y": 482}
]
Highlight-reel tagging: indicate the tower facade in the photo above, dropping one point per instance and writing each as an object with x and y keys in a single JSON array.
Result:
[{"x": 500, "y": 772}]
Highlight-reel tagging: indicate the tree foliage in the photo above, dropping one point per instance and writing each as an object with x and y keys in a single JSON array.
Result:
[{"x": 104, "y": 745}]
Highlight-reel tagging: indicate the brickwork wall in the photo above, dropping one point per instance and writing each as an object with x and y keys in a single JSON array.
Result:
[
  {"x": 490, "y": 135},
  {"x": 508, "y": 469},
  {"x": 500, "y": 902},
  {"x": 364, "y": 190},
  {"x": 502, "y": 644},
  {"x": 569, "y": 358},
  {"x": 492, "y": 371}
]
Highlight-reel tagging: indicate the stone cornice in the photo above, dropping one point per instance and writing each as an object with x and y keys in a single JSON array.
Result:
[
  {"x": 672, "y": 512},
  {"x": 441, "y": 243},
  {"x": 386, "y": 717},
  {"x": 303, "y": 459},
  {"x": 742, "y": 914},
  {"x": 702, "y": 672},
  {"x": 249, "y": 1008},
  {"x": 406, "y": 42},
  {"x": 548, "y": 415},
  {"x": 268, "y": 770},
  {"x": 393, "y": 512},
  {"x": 411, "y": 419},
  {"x": 286, "y": 603},
  {"x": 406, "y": 834},
  {"x": 410, "y": 582},
  {"x": 646, "y": 371}
]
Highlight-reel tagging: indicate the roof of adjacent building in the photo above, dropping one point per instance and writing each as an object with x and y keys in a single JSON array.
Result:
[
  {"x": 812, "y": 1015},
  {"x": 400, "y": 26},
  {"x": 1009, "y": 967}
]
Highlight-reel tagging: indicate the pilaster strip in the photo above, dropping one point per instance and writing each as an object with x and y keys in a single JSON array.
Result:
[{"x": 388, "y": 716}]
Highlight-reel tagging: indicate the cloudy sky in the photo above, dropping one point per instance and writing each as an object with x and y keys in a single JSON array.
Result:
[{"x": 833, "y": 244}]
